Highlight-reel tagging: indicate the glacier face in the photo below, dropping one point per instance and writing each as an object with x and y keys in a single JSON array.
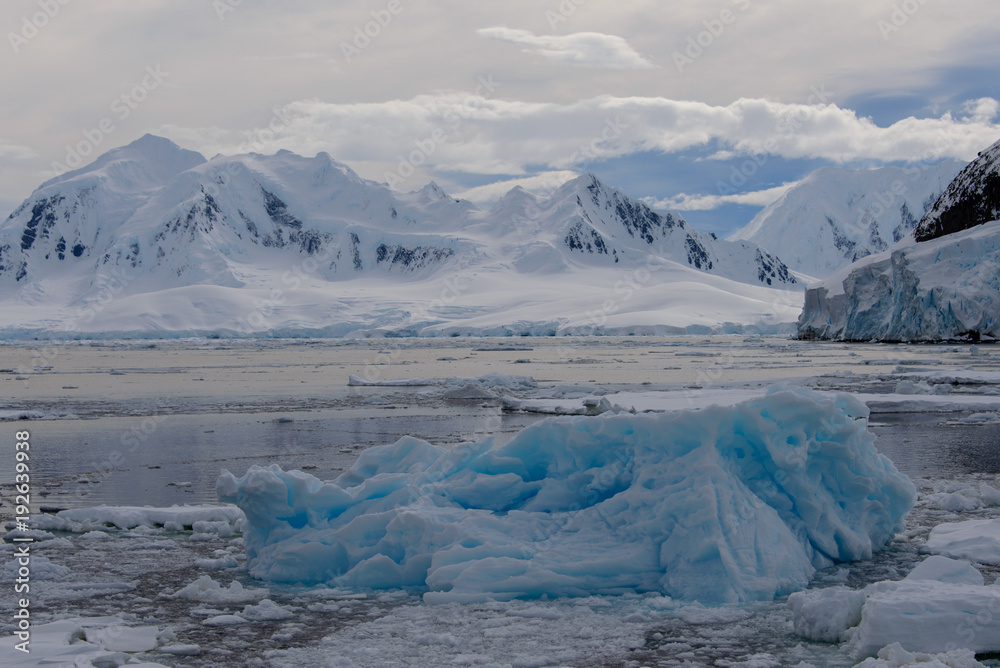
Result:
[
  {"x": 944, "y": 289},
  {"x": 835, "y": 217},
  {"x": 973, "y": 198},
  {"x": 151, "y": 238},
  {"x": 724, "y": 504}
]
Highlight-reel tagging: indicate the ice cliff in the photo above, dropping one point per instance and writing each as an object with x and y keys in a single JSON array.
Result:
[{"x": 944, "y": 289}]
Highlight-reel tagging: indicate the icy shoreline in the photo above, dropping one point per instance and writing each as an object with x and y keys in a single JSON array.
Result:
[{"x": 430, "y": 330}]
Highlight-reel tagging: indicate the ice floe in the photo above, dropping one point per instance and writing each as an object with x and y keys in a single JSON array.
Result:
[
  {"x": 221, "y": 520},
  {"x": 941, "y": 606},
  {"x": 978, "y": 540}
]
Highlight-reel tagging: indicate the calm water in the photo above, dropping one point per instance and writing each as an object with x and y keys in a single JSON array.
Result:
[
  {"x": 113, "y": 461},
  {"x": 123, "y": 461},
  {"x": 157, "y": 424}
]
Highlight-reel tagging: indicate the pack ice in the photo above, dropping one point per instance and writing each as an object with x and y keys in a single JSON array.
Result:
[{"x": 723, "y": 504}]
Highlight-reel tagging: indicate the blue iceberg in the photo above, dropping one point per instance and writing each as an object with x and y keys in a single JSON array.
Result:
[{"x": 719, "y": 505}]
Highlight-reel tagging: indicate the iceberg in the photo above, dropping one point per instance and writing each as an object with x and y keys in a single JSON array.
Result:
[{"x": 720, "y": 505}]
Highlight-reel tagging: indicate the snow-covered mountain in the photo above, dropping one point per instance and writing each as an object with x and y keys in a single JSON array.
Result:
[
  {"x": 943, "y": 283},
  {"x": 586, "y": 221},
  {"x": 153, "y": 238},
  {"x": 973, "y": 198},
  {"x": 834, "y": 216},
  {"x": 939, "y": 290}
]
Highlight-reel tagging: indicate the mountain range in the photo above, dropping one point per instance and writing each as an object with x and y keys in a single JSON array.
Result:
[
  {"x": 151, "y": 239},
  {"x": 154, "y": 240}
]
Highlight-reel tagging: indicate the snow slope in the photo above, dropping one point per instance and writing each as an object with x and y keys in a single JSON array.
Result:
[
  {"x": 725, "y": 504},
  {"x": 834, "y": 216},
  {"x": 973, "y": 198},
  {"x": 152, "y": 240},
  {"x": 944, "y": 289}
]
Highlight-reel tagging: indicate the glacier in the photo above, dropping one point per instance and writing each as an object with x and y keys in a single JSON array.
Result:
[
  {"x": 718, "y": 505},
  {"x": 944, "y": 289}
]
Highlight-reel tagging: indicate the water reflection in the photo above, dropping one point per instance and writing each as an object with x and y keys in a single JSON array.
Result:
[{"x": 113, "y": 461}]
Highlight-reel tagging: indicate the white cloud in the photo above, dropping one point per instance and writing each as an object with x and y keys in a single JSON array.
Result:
[
  {"x": 773, "y": 51},
  {"x": 581, "y": 49},
  {"x": 686, "y": 202},
  {"x": 11, "y": 151},
  {"x": 539, "y": 184},
  {"x": 478, "y": 134}
]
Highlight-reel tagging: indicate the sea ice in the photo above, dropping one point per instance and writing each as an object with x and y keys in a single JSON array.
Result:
[
  {"x": 894, "y": 656},
  {"x": 207, "y": 590},
  {"x": 266, "y": 611},
  {"x": 978, "y": 540},
  {"x": 124, "y": 639},
  {"x": 41, "y": 569},
  {"x": 725, "y": 504},
  {"x": 826, "y": 614},
  {"x": 199, "y": 518},
  {"x": 83, "y": 643},
  {"x": 358, "y": 381},
  {"x": 943, "y": 569},
  {"x": 929, "y": 616},
  {"x": 941, "y": 606}
]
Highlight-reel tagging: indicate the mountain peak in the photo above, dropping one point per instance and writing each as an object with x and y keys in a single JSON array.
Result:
[
  {"x": 432, "y": 192},
  {"x": 160, "y": 159}
]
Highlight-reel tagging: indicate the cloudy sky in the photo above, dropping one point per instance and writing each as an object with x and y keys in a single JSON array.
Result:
[{"x": 711, "y": 108}]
